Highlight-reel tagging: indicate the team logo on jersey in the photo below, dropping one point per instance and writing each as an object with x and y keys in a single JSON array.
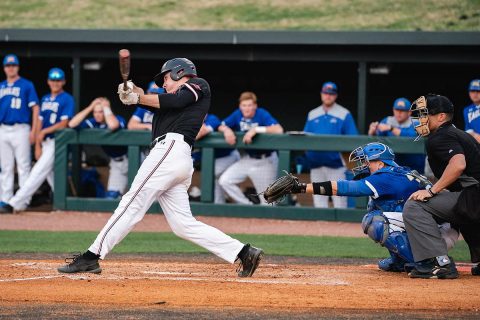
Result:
[
  {"x": 10, "y": 91},
  {"x": 473, "y": 114}
]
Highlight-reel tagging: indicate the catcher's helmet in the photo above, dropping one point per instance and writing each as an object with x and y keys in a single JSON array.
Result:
[
  {"x": 361, "y": 157},
  {"x": 179, "y": 68}
]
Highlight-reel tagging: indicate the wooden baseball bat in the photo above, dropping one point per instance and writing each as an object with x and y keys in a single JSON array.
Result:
[{"x": 124, "y": 62}]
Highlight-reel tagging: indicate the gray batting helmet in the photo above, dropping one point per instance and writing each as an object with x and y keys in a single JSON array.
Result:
[{"x": 178, "y": 68}]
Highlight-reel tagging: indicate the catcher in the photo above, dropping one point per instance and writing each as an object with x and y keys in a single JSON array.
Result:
[{"x": 388, "y": 185}]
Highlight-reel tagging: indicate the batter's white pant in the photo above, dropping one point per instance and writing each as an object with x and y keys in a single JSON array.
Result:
[
  {"x": 222, "y": 164},
  {"x": 449, "y": 234},
  {"x": 43, "y": 169},
  {"x": 15, "y": 147},
  {"x": 165, "y": 176},
  {"x": 328, "y": 174},
  {"x": 118, "y": 174},
  {"x": 262, "y": 172}
]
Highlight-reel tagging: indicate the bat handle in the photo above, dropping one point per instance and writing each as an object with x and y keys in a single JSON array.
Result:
[{"x": 125, "y": 87}]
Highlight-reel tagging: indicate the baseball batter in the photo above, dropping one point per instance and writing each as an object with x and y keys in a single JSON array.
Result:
[
  {"x": 104, "y": 118},
  {"x": 18, "y": 108},
  {"x": 258, "y": 165},
  {"x": 166, "y": 173},
  {"x": 56, "y": 108}
]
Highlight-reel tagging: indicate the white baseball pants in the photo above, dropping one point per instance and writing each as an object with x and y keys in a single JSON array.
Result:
[
  {"x": 328, "y": 174},
  {"x": 15, "y": 147},
  {"x": 165, "y": 176},
  {"x": 118, "y": 175},
  {"x": 262, "y": 172},
  {"x": 222, "y": 164},
  {"x": 43, "y": 169}
]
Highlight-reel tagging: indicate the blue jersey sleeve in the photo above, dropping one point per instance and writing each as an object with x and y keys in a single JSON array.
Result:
[
  {"x": 408, "y": 132},
  {"x": 32, "y": 95},
  {"x": 382, "y": 133},
  {"x": 87, "y": 123},
  {"x": 380, "y": 184},
  {"x": 122, "y": 122},
  {"x": 267, "y": 119},
  {"x": 233, "y": 120},
  {"x": 212, "y": 121},
  {"x": 349, "y": 127},
  {"x": 138, "y": 113},
  {"x": 468, "y": 126},
  {"x": 353, "y": 188},
  {"x": 67, "y": 109}
]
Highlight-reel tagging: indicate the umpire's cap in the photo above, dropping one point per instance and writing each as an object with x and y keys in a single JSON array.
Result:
[
  {"x": 438, "y": 104},
  {"x": 179, "y": 68}
]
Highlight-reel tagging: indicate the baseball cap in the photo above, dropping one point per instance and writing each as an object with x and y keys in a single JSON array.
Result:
[
  {"x": 438, "y": 104},
  {"x": 474, "y": 85},
  {"x": 401, "y": 104},
  {"x": 56, "y": 74},
  {"x": 153, "y": 88},
  {"x": 10, "y": 60},
  {"x": 329, "y": 87}
]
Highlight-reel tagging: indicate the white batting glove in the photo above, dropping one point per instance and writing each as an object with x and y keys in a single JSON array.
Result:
[
  {"x": 129, "y": 88},
  {"x": 130, "y": 98}
]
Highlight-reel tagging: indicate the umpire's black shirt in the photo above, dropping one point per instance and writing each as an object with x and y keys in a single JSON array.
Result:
[
  {"x": 182, "y": 112},
  {"x": 448, "y": 141}
]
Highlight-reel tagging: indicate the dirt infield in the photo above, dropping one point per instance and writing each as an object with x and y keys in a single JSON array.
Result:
[{"x": 203, "y": 287}]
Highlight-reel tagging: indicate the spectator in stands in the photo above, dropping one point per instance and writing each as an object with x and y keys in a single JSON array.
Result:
[
  {"x": 328, "y": 118},
  {"x": 224, "y": 158},
  {"x": 258, "y": 165},
  {"x": 103, "y": 118},
  {"x": 399, "y": 125},
  {"x": 56, "y": 108},
  {"x": 471, "y": 113},
  {"x": 18, "y": 108}
]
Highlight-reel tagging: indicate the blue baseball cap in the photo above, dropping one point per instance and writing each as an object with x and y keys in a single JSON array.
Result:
[
  {"x": 56, "y": 74},
  {"x": 474, "y": 85},
  {"x": 11, "y": 60},
  {"x": 153, "y": 88},
  {"x": 329, "y": 88},
  {"x": 402, "y": 104}
]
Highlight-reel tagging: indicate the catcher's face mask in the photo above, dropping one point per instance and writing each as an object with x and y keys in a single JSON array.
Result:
[
  {"x": 360, "y": 163},
  {"x": 420, "y": 117}
]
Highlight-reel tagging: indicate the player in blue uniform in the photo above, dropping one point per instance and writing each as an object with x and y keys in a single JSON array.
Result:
[
  {"x": 389, "y": 186},
  {"x": 224, "y": 158},
  {"x": 18, "y": 102},
  {"x": 471, "y": 113},
  {"x": 258, "y": 165},
  {"x": 142, "y": 118},
  {"x": 399, "y": 125},
  {"x": 56, "y": 108},
  {"x": 328, "y": 118},
  {"x": 103, "y": 118}
]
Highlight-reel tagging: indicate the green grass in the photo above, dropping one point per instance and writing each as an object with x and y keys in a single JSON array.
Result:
[
  {"x": 146, "y": 242},
  {"x": 243, "y": 15}
]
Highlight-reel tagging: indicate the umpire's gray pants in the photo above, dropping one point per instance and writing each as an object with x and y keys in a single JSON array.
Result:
[{"x": 421, "y": 222}]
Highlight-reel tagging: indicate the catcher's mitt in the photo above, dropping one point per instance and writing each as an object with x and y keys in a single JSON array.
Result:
[{"x": 279, "y": 188}]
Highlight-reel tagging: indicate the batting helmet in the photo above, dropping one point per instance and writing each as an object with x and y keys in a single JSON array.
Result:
[
  {"x": 178, "y": 68},
  {"x": 362, "y": 156}
]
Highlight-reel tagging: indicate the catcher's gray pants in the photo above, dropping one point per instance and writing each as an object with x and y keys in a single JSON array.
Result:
[{"x": 421, "y": 222}]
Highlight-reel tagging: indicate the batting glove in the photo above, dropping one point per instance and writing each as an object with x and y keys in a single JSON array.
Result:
[
  {"x": 129, "y": 88},
  {"x": 130, "y": 98}
]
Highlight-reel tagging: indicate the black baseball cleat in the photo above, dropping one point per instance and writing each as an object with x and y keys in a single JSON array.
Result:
[
  {"x": 6, "y": 209},
  {"x": 430, "y": 269},
  {"x": 249, "y": 260},
  {"x": 79, "y": 263},
  {"x": 476, "y": 270}
]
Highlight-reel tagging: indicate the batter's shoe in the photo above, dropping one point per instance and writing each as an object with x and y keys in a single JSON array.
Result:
[
  {"x": 249, "y": 259},
  {"x": 79, "y": 263},
  {"x": 6, "y": 209},
  {"x": 476, "y": 270},
  {"x": 431, "y": 269}
]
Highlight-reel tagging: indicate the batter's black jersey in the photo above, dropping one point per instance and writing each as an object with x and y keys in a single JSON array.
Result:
[
  {"x": 182, "y": 112},
  {"x": 448, "y": 141}
]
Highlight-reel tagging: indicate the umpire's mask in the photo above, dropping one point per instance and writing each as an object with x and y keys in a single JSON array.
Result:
[{"x": 420, "y": 117}]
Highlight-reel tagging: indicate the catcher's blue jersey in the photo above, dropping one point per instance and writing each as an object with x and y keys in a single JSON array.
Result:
[
  {"x": 16, "y": 100},
  {"x": 389, "y": 188}
]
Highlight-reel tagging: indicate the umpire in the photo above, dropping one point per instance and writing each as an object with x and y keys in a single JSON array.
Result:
[{"x": 454, "y": 157}]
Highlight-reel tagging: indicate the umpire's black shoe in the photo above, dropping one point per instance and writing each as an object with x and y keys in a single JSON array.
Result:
[
  {"x": 6, "y": 209},
  {"x": 79, "y": 263},
  {"x": 431, "y": 269},
  {"x": 476, "y": 270},
  {"x": 249, "y": 259}
]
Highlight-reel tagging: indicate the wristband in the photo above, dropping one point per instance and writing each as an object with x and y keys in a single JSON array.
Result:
[
  {"x": 138, "y": 99},
  {"x": 433, "y": 194},
  {"x": 107, "y": 111},
  {"x": 322, "y": 188},
  {"x": 260, "y": 129}
]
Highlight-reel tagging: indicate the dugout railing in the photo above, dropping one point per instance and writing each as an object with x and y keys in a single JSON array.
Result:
[{"x": 68, "y": 140}]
